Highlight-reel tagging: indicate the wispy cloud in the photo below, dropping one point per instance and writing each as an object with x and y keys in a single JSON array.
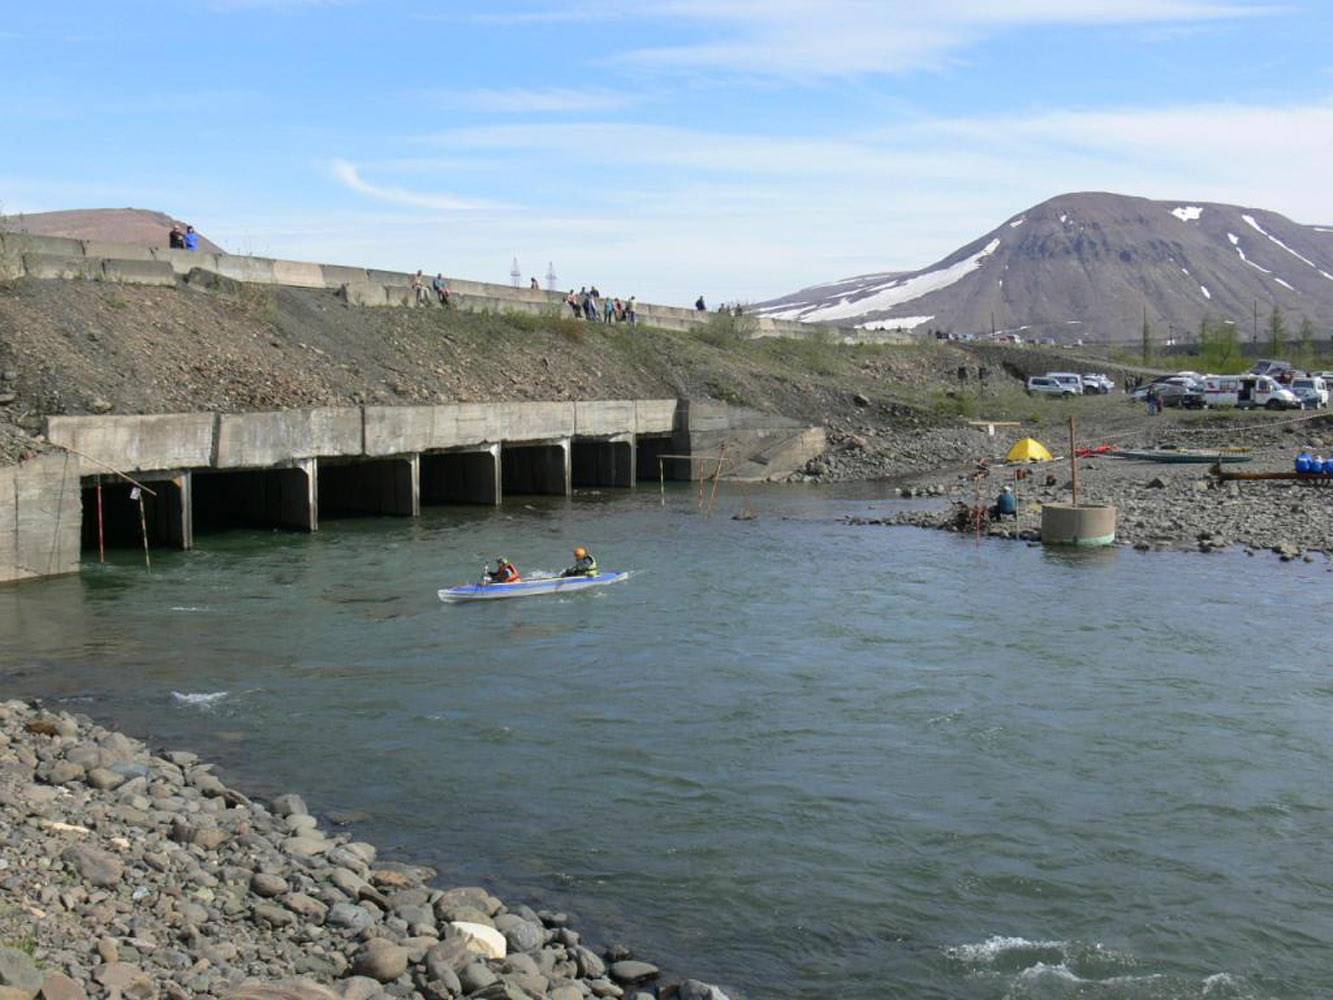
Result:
[
  {"x": 556, "y": 100},
  {"x": 840, "y": 38},
  {"x": 348, "y": 174}
]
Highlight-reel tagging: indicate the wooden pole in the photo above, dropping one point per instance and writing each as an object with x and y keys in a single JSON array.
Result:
[
  {"x": 101, "y": 544},
  {"x": 717, "y": 474},
  {"x": 143, "y": 526},
  {"x": 1073, "y": 459}
]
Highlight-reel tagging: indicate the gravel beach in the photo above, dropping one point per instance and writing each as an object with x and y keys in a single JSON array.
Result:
[{"x": 128, "y": 873}]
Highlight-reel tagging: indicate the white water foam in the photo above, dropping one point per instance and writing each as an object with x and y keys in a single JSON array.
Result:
[
  {"x": 201, "y": 699},
  {"x": 988, "y": 951}
]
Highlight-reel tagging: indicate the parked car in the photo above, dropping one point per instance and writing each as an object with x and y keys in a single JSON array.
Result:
[
  {"x": 1175, "y": 394},
  {"x": 1072, "y": 380},
  {"x": 1161, "y": 382},
  {"x": 1097, "y": 385},
  {"x": 1270, "y": 366},
  {"x": 1044, "y": 385},
  {"x": 1311, "y": 390}
]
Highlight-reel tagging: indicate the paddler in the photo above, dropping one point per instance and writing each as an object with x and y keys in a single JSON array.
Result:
[
  {"x": 584, "y": 564},
  {"x": 504, "y": 572}
]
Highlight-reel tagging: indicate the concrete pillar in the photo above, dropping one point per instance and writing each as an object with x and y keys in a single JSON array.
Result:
[
  {"x": 537, "y": 467},
  {"x": 373, "y": 486},
  {"x": 180, "y": 515},
  {"x": 293, "y": 495},
  {"x": 472, "y": 475},
  {"x": 604, "y": 461}
]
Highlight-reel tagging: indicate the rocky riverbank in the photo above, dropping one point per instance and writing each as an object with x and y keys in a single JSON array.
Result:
[{"x": 125, "y": 873}]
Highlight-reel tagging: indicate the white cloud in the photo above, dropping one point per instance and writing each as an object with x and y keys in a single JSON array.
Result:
[
  {"x": 519, "y": 101},
  {"x": 348, "y": 174},
  {"x": 830, "y": 38}
]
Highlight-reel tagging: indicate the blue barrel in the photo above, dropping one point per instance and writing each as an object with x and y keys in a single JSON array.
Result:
[{"x": 1303, "y": 462}]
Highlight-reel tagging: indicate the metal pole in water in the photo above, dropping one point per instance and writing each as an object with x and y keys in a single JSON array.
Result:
[
  {"x": 143, "y": 527},
  {"x": 101, "y": 544},
  {"x": 661, "y": 478},
  {"x": 1073, "y": 459}
]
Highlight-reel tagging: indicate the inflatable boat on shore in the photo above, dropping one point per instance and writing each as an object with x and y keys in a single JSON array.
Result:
[{"x": 527, "y": 588}]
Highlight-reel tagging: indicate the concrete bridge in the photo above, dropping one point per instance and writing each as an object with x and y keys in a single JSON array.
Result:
[{"x": 291, "y": 468}]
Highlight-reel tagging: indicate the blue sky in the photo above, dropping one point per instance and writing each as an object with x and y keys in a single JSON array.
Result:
[{"x": 664, "y": 148}]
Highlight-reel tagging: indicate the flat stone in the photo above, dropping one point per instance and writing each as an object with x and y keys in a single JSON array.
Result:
[
  {"x": 360, "y": 988},
  {"x": 19, "y": 971},
  {"x": 274, "y": 915},
  {"x": 306, "y": 906},
  {"x": 631, "y": 973},
  {"x": 290, "y": 804},
  {"x": 95, "y": 866},
  {"x": 475, "y": 976},
  {"x": 307, "y": 847},
  {"x": 118, "y": 975},
  {"x": 268, "y": 886},
  {"x": 58, "y": 986},
  {"x": 380, "y": 960},
  {"x": 14, "y": 993},
  {"x": 349, "y": 915},
  {"x": 284, "y": 989},
  {"x": 64, "y": 772},
  {"x": 104, "y": 778},
  {"x": 481, "y": 940}
]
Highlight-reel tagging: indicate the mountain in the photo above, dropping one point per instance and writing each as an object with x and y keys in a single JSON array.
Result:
[
  {"x": 139, "y": 226},
  {"x": 1086, "y": 266}
]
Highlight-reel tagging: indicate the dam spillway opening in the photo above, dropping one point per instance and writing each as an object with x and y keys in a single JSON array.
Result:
[
  {"x": 166, "y": 515},
  {"x": 541, "y": 469},
  {"x": 649, "y": 451},
  {"x": 460, "y": 477},
  {"x": 356, "y": 487},
  {"x": 253, "y": 498},
  {"x": 602, "y": 463}
]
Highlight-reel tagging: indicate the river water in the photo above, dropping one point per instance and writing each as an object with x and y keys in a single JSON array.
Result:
[{"x": 790, "y": 756}]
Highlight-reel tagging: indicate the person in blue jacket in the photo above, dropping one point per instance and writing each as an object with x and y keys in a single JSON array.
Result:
[
  {"x": 191, "y": 238},
  {"x": 1006, "y": 504}
]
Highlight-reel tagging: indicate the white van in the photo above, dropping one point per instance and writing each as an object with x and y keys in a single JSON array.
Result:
[
  {"x": 1311, "y": 390},
  {"x": 1247, "y": 392},
  {"x": 1071, "y": 379}
]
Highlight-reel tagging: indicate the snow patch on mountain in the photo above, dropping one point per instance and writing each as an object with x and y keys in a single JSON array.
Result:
[
  {"x": 1206, "y": 294},
  {"x": 1283, "y": 283},
  {"x": 898, "y": 322},
  {"x": 1187, "y": 213},
  {"x": 1249, "y": 221},
  {"x": 1235, "y": 242},
  {"x": 885, "y": 297},
  {"x": 1017, "y": 222}
]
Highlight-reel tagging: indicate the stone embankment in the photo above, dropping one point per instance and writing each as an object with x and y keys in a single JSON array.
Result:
[
  {"x": 130, "y": 874},
  {"x": 1159, "y": 506}
]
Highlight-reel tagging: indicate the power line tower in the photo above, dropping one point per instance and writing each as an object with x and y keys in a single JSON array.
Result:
[
  {"x": 515, "y": 275},
  {"x": 551, "y": 279}
]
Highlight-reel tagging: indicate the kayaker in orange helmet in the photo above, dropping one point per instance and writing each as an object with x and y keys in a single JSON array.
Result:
[
  {"x": 504, "y": 572},
  {"x": 584, "y": 563}
]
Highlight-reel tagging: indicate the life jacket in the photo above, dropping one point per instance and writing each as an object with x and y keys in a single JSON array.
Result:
[
  {"x": 507, "y": 574},
  {"x": 587, "y": 565}
]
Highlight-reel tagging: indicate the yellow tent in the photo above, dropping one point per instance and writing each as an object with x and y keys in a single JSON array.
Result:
[{"x": 1028, "y": 450}]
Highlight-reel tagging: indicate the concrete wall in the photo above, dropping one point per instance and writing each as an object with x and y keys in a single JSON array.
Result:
[
  {"x": 40, "y": 518},
  {"x": 58, "y": 257}
]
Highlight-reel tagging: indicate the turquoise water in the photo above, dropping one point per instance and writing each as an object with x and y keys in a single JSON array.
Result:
[{"x": 789, "y": 756}]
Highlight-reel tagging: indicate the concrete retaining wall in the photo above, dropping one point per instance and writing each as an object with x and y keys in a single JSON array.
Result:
[
  {"x": 40, "y": 518},
  {"x": 59, "y": 257},
  {"x": 138, "y": 443}
]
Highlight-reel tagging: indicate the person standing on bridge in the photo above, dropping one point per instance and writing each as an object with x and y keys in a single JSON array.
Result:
[
  {"x": 699, "y": 305},
  {"x": 191, "y": 238}
]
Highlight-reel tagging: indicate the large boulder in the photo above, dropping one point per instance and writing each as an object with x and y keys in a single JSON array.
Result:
[
  {"x": 381, "y": 960},
  {"x": 93, "y": 865},
  {"x": 19, "y": 971},
  {"x": 480, "y": 939},
  {"x": 283, "y": 989}
]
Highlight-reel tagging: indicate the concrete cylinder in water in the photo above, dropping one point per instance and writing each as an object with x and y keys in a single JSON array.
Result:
[{"x": 1086, "y": 525}]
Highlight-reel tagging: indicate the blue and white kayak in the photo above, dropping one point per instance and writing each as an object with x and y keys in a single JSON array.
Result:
[{"x": 527, "y": 588}]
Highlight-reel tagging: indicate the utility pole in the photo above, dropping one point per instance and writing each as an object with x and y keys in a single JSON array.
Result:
[
  {"x": 551, "y": 279},
  {"x": 515, "y": 275},
  {"x": 1254, "y": 336}
]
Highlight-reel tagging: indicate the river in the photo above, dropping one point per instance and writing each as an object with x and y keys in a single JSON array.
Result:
[{"x": 790, "y": 756}]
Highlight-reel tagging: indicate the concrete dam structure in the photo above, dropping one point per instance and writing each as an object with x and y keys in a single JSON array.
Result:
[{"x": 292, "y": 468}]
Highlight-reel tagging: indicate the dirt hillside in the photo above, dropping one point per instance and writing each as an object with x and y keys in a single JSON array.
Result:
[{"x": 138, "y": 226}]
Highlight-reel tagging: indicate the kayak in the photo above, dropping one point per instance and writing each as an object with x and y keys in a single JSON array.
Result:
[
  {"x": 1182, "y": 456},
  {"x": 527, "y": 588}
]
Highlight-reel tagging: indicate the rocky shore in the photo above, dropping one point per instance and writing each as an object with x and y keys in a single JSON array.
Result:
[
  {"x": 1159, "y": 506},
  {"x": 125, "y": 873}
]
